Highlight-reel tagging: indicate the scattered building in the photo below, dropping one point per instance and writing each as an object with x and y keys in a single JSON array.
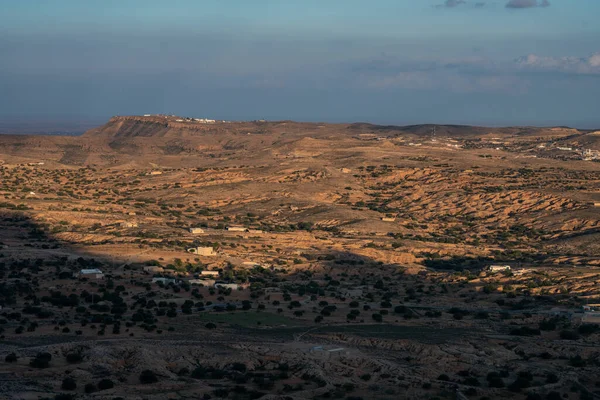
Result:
[
  {"x": 499, "y": 268},
  {"x": 129, "y": 225},
  {"x": 236, "y": 229},
  {"x": 196, "y": 231},
  {"x": 590, "y": 155},
  {"x": 203, "y": 251},
  {"x": 203, "y": 282},
  {"x": 90, "y": 273},
  {"x": 591, "y": 317},
  {"x": 388, "y": 219},
  {"x": 209, "y": 273},
  {"x": 232, "y": 286},
  {"x": 155, "y": 172},
  {"x": 251, "y": 264}
]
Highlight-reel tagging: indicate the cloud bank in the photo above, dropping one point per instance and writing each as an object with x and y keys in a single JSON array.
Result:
[{"x": 571, "y": 65}]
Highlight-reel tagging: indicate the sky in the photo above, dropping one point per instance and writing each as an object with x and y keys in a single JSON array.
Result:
[{"x": 477, "y": 62}]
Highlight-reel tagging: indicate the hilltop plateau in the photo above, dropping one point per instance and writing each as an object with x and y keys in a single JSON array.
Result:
[{"x": 292, "y": 260}]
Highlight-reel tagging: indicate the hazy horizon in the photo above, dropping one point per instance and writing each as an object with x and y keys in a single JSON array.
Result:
[{"x": 489, "y": 63}]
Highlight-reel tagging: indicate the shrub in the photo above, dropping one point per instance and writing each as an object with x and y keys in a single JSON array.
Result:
[
  {"x": 569, "y": 335},
  {"x": 68, "y": 384},
  {"x": 496, "y": 382},
  {"x": 147, "y": 377},
  {"x": 90, "y": 388},
  {"x": 41, "y": 360},
  {"x": 518, "y": 384},
  {"x": 74, "y": 357},
  {"x": 11, "y": 358},
  {"x": 210, "y": 325},
  {"x": 548, "y": 325},
  {"x": 105, "y": 384},
  {"x": 588, "y": 329},
  {"x": 553, "y": 396}
]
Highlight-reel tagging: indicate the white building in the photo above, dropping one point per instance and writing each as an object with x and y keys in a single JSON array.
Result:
[
  {"x": 498, "y": 268},
  {"x": 251, "y": 263},
  {"x": 209, "y": 273},
  {"x": 203, "y": 282},
  {"x": 196, "y": 231},
  {"x": 91, "y": 273},
  {"x": 236, "y": 229},
  {"x": 203, "y": 251}
]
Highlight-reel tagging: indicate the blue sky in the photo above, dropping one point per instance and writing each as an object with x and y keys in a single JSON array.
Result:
[{"x": 495, "y": 62}]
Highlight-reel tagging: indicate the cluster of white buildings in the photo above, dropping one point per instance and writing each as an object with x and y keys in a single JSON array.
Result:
[{"x": 590, "y": 155}]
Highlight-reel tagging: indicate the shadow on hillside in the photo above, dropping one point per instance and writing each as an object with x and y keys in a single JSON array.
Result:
[{"x": 31, "y": 258}]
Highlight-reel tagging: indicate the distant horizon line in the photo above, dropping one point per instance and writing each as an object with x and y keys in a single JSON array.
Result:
[{"x": 80, "y": 124}]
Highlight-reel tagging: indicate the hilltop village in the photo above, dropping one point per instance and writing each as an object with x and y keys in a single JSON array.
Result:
[{"x": 163, "y": 257}]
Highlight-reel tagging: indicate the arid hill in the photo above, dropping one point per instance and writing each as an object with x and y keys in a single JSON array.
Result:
[
  {"x": 133, "y": 138},
  {"x": 163, "y": 257}
]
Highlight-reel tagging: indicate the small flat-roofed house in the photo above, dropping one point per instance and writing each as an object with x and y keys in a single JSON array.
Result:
[
  {"x": 499, "y": 268},
  {"x": 236, "y": 229},
  {"x": 388, "y": 219},
  {"x": 232, "y": 286},
  {"x": 91, "y": 273},
  {"x": 209, "y": 273},
  {"x": 203, "y": 251},
  {"x": 196, "y": 231},
  {"x": 203, "y": 282}
]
